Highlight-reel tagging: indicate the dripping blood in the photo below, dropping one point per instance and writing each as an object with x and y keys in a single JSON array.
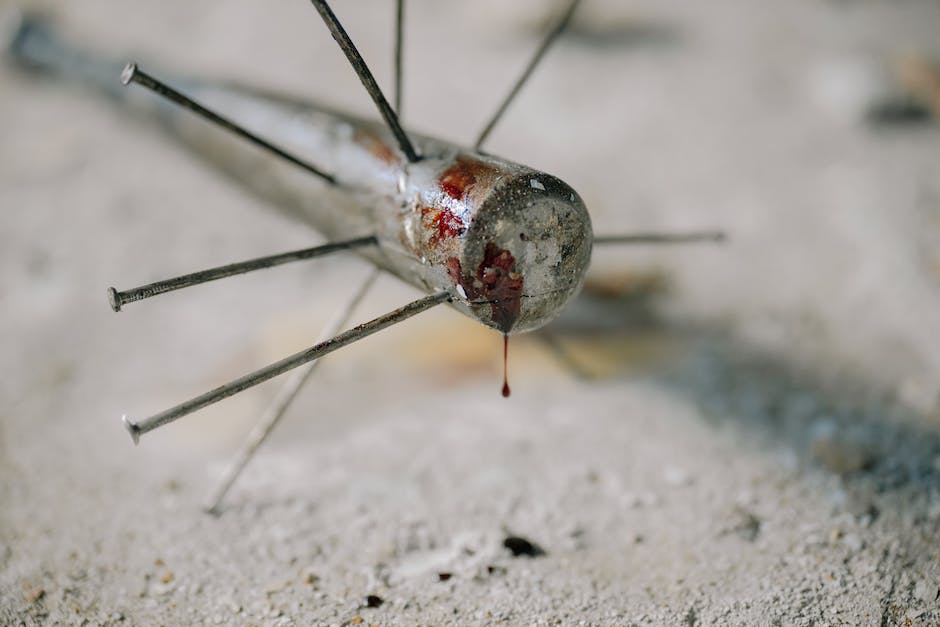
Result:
[{"x": 506, "y": 390}]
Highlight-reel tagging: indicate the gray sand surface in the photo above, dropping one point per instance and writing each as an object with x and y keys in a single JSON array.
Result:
[{"x": 746, "y": 435}]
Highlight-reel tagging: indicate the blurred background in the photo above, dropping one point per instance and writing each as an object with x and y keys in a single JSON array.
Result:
[{"x": 739, "y": 434}]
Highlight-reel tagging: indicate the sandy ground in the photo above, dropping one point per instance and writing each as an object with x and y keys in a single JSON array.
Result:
[{"x": 743, "y": 435}]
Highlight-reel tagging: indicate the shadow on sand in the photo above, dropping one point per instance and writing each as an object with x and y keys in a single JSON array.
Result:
[{"x": 857, "y": 430}]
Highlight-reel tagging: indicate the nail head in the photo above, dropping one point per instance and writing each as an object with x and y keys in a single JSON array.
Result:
[
  {"x": 114, "y": 298},
  {"x": 128, "y": 74},
  {"x": 132, "y": 428}
]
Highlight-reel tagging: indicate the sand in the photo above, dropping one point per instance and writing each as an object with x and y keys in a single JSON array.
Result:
[{"x": 746, "y": 434}]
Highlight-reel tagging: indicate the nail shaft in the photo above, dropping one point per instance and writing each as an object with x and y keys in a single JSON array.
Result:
[
  {"x": 399, "y": 46},
  {"x": 365, "y": 75},
  {"x": 133, "y": 74},
  {"x": 661, "y": 238},
  {"x": 119, "y": 299},
  {"x": 546, "y": 44},
  {"x": 282, "y": 366},
  {"x": 283, "y": 400}
]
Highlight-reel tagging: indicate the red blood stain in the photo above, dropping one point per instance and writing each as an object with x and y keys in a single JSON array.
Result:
[
  {"x": 500, "y": 286},
  {"x": 442, "y": 222},
  {"x": 376, "y": 147},
  {"x": 458, "y": 178},
  {"x": 448, "y": 225},
  {"x": 497, "y": 283},
  {"x": 454, "y": 270}
]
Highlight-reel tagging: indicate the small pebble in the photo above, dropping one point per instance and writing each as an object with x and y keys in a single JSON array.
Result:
[
  {"x": 865, "y": 512},
  {"x": 35, "y": 595},
  {"x": 374, "y": 601},
  {"x": 745, "y": 525},
  {"x": 521, "y": 546}
]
